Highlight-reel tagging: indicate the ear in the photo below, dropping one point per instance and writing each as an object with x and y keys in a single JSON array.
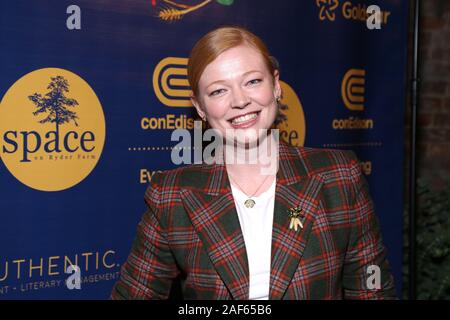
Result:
[
  {"x": 197, "y": 106},
  {"x": 276, "y": 83}
]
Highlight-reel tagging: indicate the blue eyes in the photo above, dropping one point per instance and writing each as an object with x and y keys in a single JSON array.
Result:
[
  {"x": 216, "y": 92},
  {"x": 220, "y": 91},
  {"x": 254, "y": 81}
]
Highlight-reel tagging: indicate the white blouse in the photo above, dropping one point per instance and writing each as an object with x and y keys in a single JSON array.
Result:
[{"x": 256, "y": 224}]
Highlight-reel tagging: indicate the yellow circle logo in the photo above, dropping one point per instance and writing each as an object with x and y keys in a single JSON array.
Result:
[
  {"x": 292, "y": 126},
  {"x": 52, "y": 129}
]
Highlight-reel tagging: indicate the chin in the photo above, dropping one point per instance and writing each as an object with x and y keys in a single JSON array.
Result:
[{"x": 252, "y": 139}]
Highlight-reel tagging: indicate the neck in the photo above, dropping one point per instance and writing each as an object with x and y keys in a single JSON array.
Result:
[{"x": 252, "y": 162}]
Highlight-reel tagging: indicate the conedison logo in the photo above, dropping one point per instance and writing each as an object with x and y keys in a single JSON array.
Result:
[
  {"x": 353, "y": 88},
  {"x": 52, "y": 129},
  {"x": 170, "y": 82}
]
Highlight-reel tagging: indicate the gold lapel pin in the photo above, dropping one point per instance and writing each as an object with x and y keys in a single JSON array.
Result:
[{"x": 295, "y": 214}]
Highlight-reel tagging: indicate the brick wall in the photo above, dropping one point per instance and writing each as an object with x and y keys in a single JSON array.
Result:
[{"x": 433, "y": 135}]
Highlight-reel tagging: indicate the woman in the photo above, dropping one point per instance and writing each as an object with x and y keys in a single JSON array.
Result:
[{"x": 232, "y": 230}]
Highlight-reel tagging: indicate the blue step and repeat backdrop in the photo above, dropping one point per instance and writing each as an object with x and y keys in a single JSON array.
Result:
[{"x": 91, "y": 91}]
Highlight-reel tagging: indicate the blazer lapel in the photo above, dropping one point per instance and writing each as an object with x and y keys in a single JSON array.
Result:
[
  {"x": 213, "y": 214},
  {"x": 295, "y": 188},
  {"x": 210, "y": 205}
]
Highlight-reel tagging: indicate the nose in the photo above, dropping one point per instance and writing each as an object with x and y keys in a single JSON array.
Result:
[{"x": 240, "y": 99}]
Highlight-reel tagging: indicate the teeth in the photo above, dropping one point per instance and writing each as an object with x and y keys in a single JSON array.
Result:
[{"x": 245, "y": 118}]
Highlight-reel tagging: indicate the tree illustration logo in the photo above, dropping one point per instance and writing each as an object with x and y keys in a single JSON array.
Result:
[
  {"x": 55, "y": 104},
  {"x": 52, "y": 129}
]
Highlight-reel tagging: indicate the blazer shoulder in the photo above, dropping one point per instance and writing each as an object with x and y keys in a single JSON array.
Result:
[
  {"x": 328, "y": 163},
  {"x": 163, "y": 191},
  {"x": 179, "y": 177}
]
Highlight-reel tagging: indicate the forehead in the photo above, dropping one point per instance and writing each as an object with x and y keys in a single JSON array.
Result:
[{"x": 233, "y": 63}]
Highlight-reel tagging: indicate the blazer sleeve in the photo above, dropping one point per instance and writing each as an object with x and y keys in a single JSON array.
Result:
[
  {"x": 366, "y": 254},
  {"x": 150, "y": 268}
]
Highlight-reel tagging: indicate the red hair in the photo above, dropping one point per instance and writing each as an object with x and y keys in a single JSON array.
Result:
[{"x": 215, "y": 42}]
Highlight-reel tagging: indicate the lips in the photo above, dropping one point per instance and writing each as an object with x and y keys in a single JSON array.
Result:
[{"x": 244, "y": 120}]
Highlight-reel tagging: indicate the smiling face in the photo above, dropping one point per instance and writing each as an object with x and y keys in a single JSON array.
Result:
[{"x": 237, "y": 91}]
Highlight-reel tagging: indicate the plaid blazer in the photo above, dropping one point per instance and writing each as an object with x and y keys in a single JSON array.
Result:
[{"x": 191, "y": 230}]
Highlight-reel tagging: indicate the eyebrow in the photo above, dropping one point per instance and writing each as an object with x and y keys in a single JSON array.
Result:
[{"x": 222, "y": 81}]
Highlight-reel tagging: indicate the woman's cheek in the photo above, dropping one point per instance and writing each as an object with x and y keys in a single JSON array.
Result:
[
  {"x": 264, "y": 97},
  {"x": 216, "y": 109}
]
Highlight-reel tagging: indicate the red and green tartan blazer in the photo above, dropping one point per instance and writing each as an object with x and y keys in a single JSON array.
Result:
[{"x": 191, "y": 230}]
